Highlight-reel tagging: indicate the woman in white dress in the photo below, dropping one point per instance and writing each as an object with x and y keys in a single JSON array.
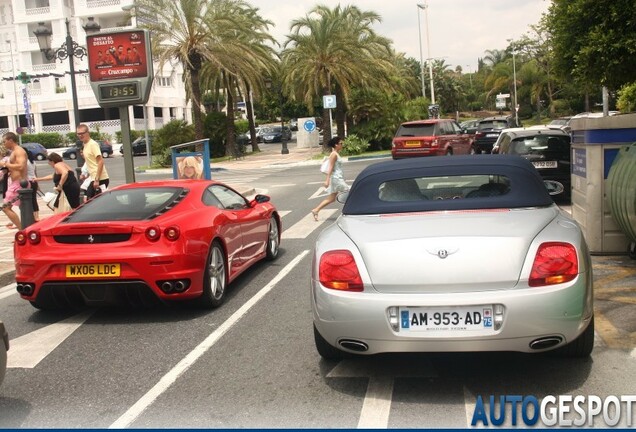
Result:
[{"x": 335, "y": 182}]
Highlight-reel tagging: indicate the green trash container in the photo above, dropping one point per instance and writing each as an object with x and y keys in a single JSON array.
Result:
[{"x": 621, "y": 193}]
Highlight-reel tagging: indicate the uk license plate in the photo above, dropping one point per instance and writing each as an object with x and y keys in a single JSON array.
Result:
[
  {"x": 92, "y": 270},
  {"x": 412, "y": 144},
  {"x": 460, "y": 318},
  {"x": 545, "y": 164}
]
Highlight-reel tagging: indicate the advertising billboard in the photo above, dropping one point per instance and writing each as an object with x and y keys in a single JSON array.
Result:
[
  {"x": 117, "y": 56},
  {"x": 120, "y": 67}
]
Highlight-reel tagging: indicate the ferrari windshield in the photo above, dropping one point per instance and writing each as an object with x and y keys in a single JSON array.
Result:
[{"x": 128, "y": 204}]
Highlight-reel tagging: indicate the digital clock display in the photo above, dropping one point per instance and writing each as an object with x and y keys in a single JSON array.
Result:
[{"x": 119, "y": 91}]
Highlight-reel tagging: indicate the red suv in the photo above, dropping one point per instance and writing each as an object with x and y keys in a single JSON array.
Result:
[{"x": 432, "y": 137}]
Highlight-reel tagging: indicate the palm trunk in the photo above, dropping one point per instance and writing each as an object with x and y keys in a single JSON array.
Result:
[
  {"x": 250, "y": 117},
  {"x": 197, "y": 115},
  {"x": 230, "y": 146}
]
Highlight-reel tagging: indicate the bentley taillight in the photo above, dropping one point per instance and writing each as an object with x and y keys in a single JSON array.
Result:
[
  {"x": 338, "y": 270},
  {"x": 554, "y": 263}
]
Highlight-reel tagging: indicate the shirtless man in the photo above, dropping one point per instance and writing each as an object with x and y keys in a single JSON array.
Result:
[{"x": 17, "y": 166}]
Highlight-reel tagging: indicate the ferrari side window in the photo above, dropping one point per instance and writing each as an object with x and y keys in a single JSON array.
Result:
[
  {"x": 229, "y": 199},
  {"x": 211, "y": 200}
]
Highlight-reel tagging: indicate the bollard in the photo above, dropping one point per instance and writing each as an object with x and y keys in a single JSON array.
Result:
[{"x": 26, "y": 205}]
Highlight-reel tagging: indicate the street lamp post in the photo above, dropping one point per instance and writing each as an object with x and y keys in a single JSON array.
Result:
[
  {"x": 428, "y": 48},
  {"x": 15, "y": 92},
  {"x": 69, "y": 49},
  {"x": 284, "y": 149},
  {"x": 514, "y": 79},
  {"x": 419, "y": 30}
]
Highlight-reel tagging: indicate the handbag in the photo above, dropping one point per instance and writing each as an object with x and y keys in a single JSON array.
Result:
[{"x": 324, "y": 166}]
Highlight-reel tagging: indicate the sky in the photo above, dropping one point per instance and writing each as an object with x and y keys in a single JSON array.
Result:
[{"x": 460, "y": 30}]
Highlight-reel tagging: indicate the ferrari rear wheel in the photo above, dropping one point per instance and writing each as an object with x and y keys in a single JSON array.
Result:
[
  {"x": 215, "y": 277},
  {"x": 326, "y": 350},
  {"x": 273, "y": 239}
]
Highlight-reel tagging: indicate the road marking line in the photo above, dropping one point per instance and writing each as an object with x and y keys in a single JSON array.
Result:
[
  {"x": 377, "y": 403},
  {"x": 319, "y": 193},
  {"x": 29, "y": 350},
  {"x": 610, "y": 334},
  {"x": 307, "y": 225},
  {"x": 284, "y": 213},
  {"x": 180, "y": 368},
  {"x": 469, "y": 404},
  {"x": 7, "y": 291}
]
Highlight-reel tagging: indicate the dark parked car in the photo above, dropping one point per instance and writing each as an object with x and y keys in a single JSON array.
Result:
[
  {"x": 274, "y": 134},
  {"x": 104, "y": 146},
  {"x": 488, "y": 131},
  {"x": 37, "y": 150},
  {"x": 547, "y": 148},
  {"x": 470, "y": 126},
  {"x": 138, "y": 146},
  {"x": 245, "y": 138},
  {"x": 432, "y": 137}
]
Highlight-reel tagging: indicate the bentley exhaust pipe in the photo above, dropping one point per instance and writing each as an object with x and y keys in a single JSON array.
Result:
[
  {"x": 545, "y": 342},
  {"x": 354, "y": 345}
]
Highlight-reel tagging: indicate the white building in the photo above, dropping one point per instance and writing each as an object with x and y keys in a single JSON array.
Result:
[{"x": 49, "y": 101}]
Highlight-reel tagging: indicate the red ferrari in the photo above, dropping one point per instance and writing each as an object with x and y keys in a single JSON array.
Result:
[{"x": 136, "y": 243}]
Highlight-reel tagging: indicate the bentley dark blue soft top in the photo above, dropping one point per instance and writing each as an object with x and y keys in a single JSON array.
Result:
[{"x": 447, "y": 183}]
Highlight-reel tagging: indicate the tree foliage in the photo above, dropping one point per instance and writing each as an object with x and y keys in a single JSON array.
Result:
[{"x": 594, "y": 41}]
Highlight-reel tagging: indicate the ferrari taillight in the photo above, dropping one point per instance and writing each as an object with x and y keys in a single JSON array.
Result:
[
  {"x": 153, "y": 233},
  {"x": 20, "y": 238},
  {"x": 338, "y": 270},
  {"x": 33, "y": 237},
  {"x": 172, "y": 233},
  {"x": 554, "y": 263}
]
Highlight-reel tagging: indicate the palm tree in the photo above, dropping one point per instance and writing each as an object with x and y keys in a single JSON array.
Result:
[
  {"x": 499, "y": 80},
  {"x": 243, "y": 74},
  {"x": 196, "y": 32},
  {"x": 494, "y": 57},
  {"x": 328, "y": 51}
]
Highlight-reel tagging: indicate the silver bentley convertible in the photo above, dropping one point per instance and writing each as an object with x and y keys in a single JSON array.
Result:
[{"x": 463, "y": 253}]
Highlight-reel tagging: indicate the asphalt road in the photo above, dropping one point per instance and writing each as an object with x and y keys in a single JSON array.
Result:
[{"x": 252, "y": 362}]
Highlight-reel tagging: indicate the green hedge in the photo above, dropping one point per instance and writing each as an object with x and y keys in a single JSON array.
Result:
[{"x": 48, "y": 139}]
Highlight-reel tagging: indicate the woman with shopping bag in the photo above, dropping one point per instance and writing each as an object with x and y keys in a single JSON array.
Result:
[{"x": 66, "y": 185}]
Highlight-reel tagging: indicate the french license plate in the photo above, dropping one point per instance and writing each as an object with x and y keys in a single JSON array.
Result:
[
  {"x": 92, "y": 270},
  {"x": 460, "y": 318},
  {"x": 545, "y": 164},
  {"x": 411, "y": 144},
  {"x": 492, "y": 135}
]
